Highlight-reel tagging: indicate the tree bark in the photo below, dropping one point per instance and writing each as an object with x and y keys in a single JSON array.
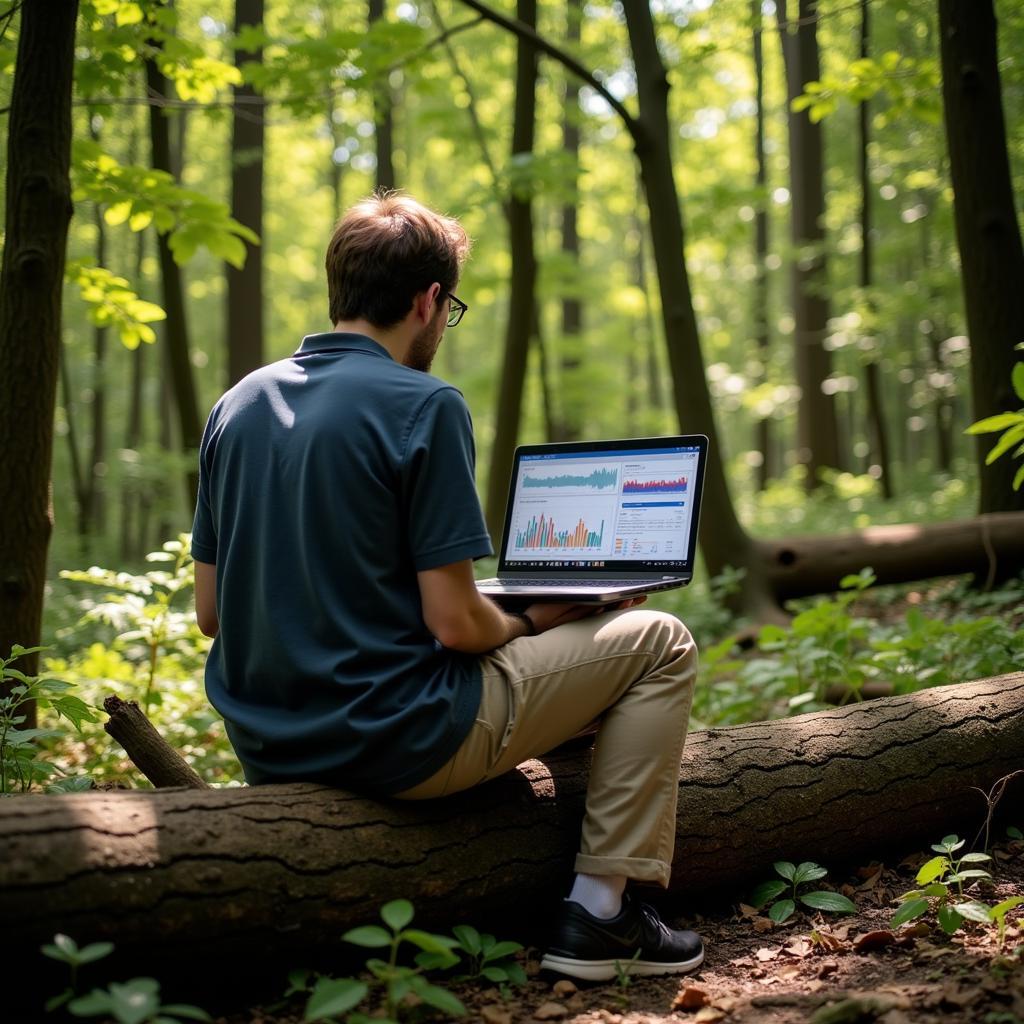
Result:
[
  {"x": 38, "y": 210},
  {"x": 245, "y": 283},
  {"x": 988, "y": 235},
  {"x": 521, "y": 293},
  {"x": 278, "y": 871},
  {"x": 383, "y": 117},
  {"x": 179, "y": 362},
  {"x": 817, "y": 427}
]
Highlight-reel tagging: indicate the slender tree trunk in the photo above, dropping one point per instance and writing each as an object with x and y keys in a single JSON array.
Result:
[
  {"x": 817, "y": 427},
  {"x": 74, "y": 452},
  {"x": 521, "y": 294},
  {"x": 175, "y": 326},
  {"x": 570, "y": 415},
  {"x": 383, "y": 116},
  {"x": 37, "y": 213},
  {"x": 245, "y": 284},
  {"x": 763, "y": 427},
  {"x": 876, "y": 412},
  {"x": 988, "y": 235}
]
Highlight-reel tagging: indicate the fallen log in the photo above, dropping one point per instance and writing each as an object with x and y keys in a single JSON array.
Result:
[
  {"x": 268, "y": 872},
  {"x": 991, "y": 546}
]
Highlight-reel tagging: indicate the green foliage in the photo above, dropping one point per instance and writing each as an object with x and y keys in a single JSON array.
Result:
[
  {"x": 939, "y": 876},
  {"x": 795, "y": 876},
  {"x": 132, "y": 1002},
  {"x": 1012, "y": 426},
  {"x": 329, "y": 998},
  {"x": 140, "y": 196},
  {"x": 20, "y": 766},
  {"x": 112, "y": 303}
]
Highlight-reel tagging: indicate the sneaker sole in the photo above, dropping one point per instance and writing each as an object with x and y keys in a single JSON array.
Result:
[{"x": 606, "y": 970}]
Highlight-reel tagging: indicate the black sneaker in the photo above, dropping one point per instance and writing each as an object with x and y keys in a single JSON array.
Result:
[{"x": 589, "y": 948}]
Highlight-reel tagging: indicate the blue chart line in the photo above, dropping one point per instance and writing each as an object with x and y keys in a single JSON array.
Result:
[{"x": 600, "y": 479}]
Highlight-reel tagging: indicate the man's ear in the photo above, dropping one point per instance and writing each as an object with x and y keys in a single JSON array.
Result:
[{"x": 425, "y": 303}]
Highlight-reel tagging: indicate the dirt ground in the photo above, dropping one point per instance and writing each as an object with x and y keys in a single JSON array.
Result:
[{"x": 813, "y": 969}]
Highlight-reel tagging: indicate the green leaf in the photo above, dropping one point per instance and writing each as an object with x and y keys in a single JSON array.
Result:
[
  {"x": 1000, "y": 909},
  {"x": 1018, "y": 479},
  {"x": 766, "y": 892},
  {"x": 495, "y": 974},
  {"x": 973, "y": 910},
  {"x": 332, "y": 997},
  {"x": 808, "y": 872},
  {"x": 64, "y": 948},
  {"x": 469, "y": 938},
  {"x": 1017, "y": 377},
  {"x": 909, "y": 910},
  {"x": 949, "y": 919},
  {"x": 56, "y": 1002},
  {"x": 1011, "y": 437},
  {"x": 372, "y": 936},
  {"x": 974, "y": 858},
  {"x": 396, "y": 914},
  {"x": 1014, "y": 833},
  {"x": 933, "y": 869},
  {"x": 429, "y": 943},
  {"x": 440, "y": 998},
  {"x": 95, "y": 951},
  {"x": 833, "y": 901},
  {"x": 781, "y": 910},
  {"x": 785, "y": 869},
  {"x": 991, "y": 424},
  {"x": 501, "y": 949},
  {"x": 435, "y": 961},
  {"x": 186, "y": 1011}
]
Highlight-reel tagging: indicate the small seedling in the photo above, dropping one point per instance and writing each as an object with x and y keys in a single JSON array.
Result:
[
  {"x": 624, "y": 977},
  {"x": 780, "y": 910},
  {"x": 489, "y": 959},
  {"x": 939, "y": 876}
]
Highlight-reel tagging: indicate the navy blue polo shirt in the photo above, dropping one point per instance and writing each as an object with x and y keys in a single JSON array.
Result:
[{"x": 327, "y": 480}]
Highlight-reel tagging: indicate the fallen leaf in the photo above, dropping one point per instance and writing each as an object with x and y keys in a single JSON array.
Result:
[
  {"x": 763, "y": 924},
  {"x": 827, "y": 942},
  {"x": 827, "y": 967},
  {"x": 550, "y": 1011},
  {"x": 727, "y": 1003},
  {"x": 709, "y": 1015},
  {"x": 495, "y": 1014},
  {"x": 800, "y": 947},
  {"x": 690, "y": 997},
  {"x": 764, "y": 954},
  {"x": 563, "y": 988},
  {"x": 790, "y": 972},
  {"x": 748, "y": 911}
]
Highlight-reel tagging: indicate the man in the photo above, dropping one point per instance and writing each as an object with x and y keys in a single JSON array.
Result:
[{"x": 336, "y": 526}]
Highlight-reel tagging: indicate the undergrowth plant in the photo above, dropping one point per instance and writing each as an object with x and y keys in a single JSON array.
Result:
[
  {"x": 21, "y": 766},
  {"x": 395, "y": 983},
  {"x": 1011, "y": 424},
  {"x": 943, "y": 879},
  {"x": 795, "y": 876}
]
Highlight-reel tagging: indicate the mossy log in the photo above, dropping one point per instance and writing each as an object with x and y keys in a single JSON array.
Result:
[{"x": 268, "y": 871}]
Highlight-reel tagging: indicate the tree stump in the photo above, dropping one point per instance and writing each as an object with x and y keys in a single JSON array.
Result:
[{"x": 273, "y": 870}]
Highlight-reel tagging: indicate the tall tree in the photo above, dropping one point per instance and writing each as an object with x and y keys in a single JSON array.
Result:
[
  {"x": 245, "y": 283},
  {"x": 817, "y": 429},
  {"x": 179, "y": 362},
  {"x": 988, "y": 235},
  {"x": 383, "y": 115},
  {"x": 520, "y": 323},
  {"x": 37, "y": 213},
  {"x": 876, "y": 411}
]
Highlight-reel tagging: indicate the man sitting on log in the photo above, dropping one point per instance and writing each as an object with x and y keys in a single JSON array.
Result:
[{"x": 335, "y": 531}]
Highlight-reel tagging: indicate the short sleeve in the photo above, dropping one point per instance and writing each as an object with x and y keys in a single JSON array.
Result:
[
  {"x": 445, "y": 521},
  {"x": 204, "y": 532}
]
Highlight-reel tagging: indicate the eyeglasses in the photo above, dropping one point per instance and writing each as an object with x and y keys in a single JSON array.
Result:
[{"x": 456, "y": 309}]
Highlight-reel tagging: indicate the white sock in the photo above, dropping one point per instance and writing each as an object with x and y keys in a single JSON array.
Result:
[{"x": 600, "y": 895}]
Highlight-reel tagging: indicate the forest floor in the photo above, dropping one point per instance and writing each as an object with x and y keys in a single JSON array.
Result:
[{"x": 812, "y": 969}]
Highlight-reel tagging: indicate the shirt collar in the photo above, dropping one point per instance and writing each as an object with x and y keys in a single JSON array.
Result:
[{"x": 341, "y": 341}]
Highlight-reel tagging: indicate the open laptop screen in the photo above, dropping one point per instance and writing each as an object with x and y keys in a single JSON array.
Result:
[{"x": 606, "y": 506}]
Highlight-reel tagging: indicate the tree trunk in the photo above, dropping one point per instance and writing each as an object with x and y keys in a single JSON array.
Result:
[
  {"x": 521, "y": 293},
  {"x": 383, "y": 116},
  {"x": 569, "y": 420},
  {"x": 988, "y": 235},
  {"x": 38, "y": 210},
  {"x": 876, "y": 413},
  {"x": 179, "y": 363},
  {"x": 817, "y": 428},
  {"x": 245, "y": 284},
  {"x": 763, "y": 427},
  {"x": 991, "y": 546},
  {"x": 277, "y": 871}
]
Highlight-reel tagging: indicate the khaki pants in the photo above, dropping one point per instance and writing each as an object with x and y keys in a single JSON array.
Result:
[{"x": 634, "y": 670}]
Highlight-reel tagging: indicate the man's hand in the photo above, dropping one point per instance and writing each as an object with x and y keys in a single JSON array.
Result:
[{"x": 547, "y": 615}]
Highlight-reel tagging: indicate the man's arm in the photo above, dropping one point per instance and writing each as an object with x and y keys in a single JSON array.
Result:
[
  {"x": 463, "y": 619},
  {"x": 206, "y": 598}
]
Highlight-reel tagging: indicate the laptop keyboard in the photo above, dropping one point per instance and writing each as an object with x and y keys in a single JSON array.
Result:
[{"x": 563, "y": 582}]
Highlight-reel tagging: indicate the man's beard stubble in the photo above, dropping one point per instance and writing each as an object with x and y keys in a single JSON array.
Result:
[{"x": 423, "y": 347}]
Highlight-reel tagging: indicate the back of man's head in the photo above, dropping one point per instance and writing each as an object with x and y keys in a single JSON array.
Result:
[{"x": 385, "y": 251}]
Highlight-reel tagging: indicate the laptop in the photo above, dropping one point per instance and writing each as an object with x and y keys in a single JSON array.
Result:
[{"x": 595, "y": 522}]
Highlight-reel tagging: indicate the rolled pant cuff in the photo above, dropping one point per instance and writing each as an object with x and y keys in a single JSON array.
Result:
[{"x": 639, "y": 869}]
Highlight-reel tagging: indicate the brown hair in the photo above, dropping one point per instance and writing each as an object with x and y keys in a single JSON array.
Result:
[{"x": 385, "y": 251}]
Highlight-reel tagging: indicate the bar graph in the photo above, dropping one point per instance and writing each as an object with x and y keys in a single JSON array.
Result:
[
  {"x": 674, "y": 485},
  {"x": 543, "y": 532}
]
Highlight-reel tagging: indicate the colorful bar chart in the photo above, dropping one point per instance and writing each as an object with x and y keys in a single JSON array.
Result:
[
  {"x": 677, "y": 485},
  {"x": 543, "y": 533}
]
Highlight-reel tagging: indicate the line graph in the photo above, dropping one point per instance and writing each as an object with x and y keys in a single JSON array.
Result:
[{"x": 603, "y": 478}]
